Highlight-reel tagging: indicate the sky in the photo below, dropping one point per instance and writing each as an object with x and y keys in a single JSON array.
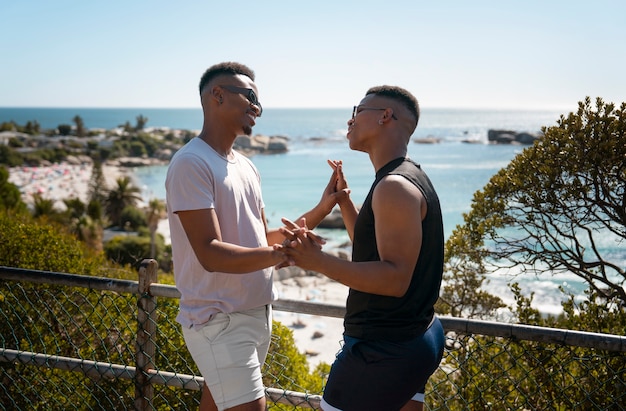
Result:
[{"x": 532, "y": 54}]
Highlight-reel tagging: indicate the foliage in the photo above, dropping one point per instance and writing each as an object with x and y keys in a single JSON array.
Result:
[
  {"x": 133, "y": 218},
  {"x": 37, "y": 157},
  {"x": 462, "y": 294},
  {"x": 288, "y": 368},
  {"x": 546, "y": 212},
  {"x": 10, "y": 196},
  {"x": 128, "y": 249},
  {"x": 98, "y": 326},
  {"x": 42, "y": 245},
  {"x": 552, "y": 206},
  {"x": 75, "y": 207},
  {"x": 498, "y": 373},
  {"x": 154, "y": 214},
  {"x": 135, "y": 142},
  {"x": 137, "y": 145},
  {"x": 64, "y": 129},
  {"x": 81, "y": 131},
  {"x": 10, "y": 157},
  {"x": 97, "y": 183},
  {"x": 141, "y": 122},
  {"x": 31, "y": 127},
  {"x": 124, "y": 195},
  {"x": 44, "y": 207}
]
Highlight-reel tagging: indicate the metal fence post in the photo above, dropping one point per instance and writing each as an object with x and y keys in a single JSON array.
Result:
[{"x": 146, "y": 334}]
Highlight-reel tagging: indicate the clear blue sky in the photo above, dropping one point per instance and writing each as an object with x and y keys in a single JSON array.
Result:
[{"x": 321, "y": 53}]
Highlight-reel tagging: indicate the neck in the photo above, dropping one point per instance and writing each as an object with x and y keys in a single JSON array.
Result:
[
  {"x": 222, "y": 146},
  {"x": 380, "y": 158}
]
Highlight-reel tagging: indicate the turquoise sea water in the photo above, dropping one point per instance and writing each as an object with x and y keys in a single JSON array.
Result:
[{"x": 293, "y": 182}]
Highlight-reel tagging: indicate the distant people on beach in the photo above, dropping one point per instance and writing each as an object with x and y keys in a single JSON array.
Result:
[
  {"x": 223, "y": 261},
  {"x": 393, "y": 342}
]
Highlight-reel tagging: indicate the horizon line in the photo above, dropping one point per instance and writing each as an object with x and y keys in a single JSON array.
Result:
[{"x": 507, "y": 108}]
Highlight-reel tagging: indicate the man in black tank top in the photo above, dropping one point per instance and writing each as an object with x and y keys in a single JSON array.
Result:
[{"x": 393, "y": 341}]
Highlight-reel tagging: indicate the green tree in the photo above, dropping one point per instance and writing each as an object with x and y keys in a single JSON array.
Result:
[
  {"x": 127, "y": 249},
  {"x": 32, "y": 127},
  {"x": 81, "y": 131},
  {"x": 75, "y": 207},
  {"x": 154, "y": 214},
  {"x": 133, "y": 218},
  {"x": 552, "y": 206},
  {"x": 124, "y": 195},
  {"x": 44, "y": 207},
  {"x": 97, "y": 183},
  {"x": 10, "y": 196},
  {"x": 64, "y": 129},
  {"x": 10, "y": 157},
  {"x": 141, "y": 122}
]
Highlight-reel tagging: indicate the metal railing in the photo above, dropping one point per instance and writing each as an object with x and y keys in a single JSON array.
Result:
[{"x": 71, "y": 341}]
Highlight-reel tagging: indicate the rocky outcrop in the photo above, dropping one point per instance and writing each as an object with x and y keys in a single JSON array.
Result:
[
  {"x": 427, "y": 140},
  {"x": 135, "y": 162},
  {"x": 511, "y": 137},
  {"x": 332, "y": 220},
  {"x": 260, "y": 144}
]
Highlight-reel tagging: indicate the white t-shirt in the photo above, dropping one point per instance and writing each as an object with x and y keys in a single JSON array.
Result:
[{"x": 199, "y": 178}]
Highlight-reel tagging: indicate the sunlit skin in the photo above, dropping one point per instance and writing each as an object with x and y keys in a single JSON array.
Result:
[
  {"x": 229, "y": 114},
  {"x": 383, "y": 134}
]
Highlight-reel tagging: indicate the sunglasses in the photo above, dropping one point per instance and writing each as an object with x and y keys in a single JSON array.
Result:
[
  {"x": 247, "y": 93},
  {"x": 357, "y": 109}
]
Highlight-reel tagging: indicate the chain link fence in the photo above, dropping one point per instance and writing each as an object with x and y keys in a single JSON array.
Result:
[{"x": 89, "y": 343}]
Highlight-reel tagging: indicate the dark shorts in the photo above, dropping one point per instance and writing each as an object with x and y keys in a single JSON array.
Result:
[{"x": 383, "y": 375}]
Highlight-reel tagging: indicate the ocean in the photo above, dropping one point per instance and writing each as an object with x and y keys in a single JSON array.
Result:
[{"x": 293, "y": 182}]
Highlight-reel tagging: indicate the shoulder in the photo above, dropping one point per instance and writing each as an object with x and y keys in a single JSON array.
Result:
[
  {"x": 396, "y": 190},
  {"x": 393, "y": 183}
]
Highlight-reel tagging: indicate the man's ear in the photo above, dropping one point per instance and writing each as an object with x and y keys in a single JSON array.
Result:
[{"x": 216, "y": 93}]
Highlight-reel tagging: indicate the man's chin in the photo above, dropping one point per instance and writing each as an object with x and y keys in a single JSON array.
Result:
[{"x": 247, "y": 130}]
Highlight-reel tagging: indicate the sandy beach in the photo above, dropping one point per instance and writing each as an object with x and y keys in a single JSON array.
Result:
[
  {"x": 319, "y": 337},
  {"x": 61, "y": 181},
  {"x": 316, "y": 336}
]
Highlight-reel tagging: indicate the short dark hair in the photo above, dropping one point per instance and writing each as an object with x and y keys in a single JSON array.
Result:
[
  {"x": 227, "y": 67},
  {"x": 398, "y": 93}
]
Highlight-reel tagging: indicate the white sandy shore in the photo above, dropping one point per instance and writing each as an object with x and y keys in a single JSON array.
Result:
[
  {"x": 317, "y": 336},
  {"x": 60, "y": 181}
]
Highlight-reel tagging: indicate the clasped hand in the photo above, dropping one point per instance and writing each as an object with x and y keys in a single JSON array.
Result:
[
  {"x": 298, "y": 241},
  {"x": 301, "y": 245}
]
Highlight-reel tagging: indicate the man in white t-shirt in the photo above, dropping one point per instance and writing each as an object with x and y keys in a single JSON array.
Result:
[{"x": 222, "y": 249}]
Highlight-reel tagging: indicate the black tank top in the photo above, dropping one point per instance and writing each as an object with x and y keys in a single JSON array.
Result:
[{"x": 377, "y": 317}]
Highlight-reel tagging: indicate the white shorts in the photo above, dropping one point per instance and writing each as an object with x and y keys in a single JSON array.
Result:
[{"x": 230, "y": 351}]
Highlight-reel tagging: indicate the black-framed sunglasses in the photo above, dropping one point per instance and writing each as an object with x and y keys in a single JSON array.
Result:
[
  {"x": 357, "y": 109},
  {"x": 247, "y": 93}
]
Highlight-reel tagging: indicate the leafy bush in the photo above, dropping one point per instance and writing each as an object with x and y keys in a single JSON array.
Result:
[
  {"x": 10, "y": 196},
  {"x": 128, "y": 249},
  {"x": 133, "y": 218},
  {"x": 10, "y": 157}
]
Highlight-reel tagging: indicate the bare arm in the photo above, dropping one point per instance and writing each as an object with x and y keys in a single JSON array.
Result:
[
  {"x": 398, "y": 236},
  {"x": 335, "y": 191},
  {"x": 349, "y": 211},
  {"x": 204, "y": 234}
]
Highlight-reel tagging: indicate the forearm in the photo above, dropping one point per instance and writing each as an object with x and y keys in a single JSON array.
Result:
[
  {"x": 230, "y": 258},
  {"x": 349, "y": 214},
  {"x": 315, "y": 215},
  {"x": 274, "y": 236},
  {"x": 375, "y": 277}
]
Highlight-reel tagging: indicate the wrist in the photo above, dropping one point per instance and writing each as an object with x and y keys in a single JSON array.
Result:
[
  {"x": 344, "y": 201},
  {"x": 325, "y": 208}
]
